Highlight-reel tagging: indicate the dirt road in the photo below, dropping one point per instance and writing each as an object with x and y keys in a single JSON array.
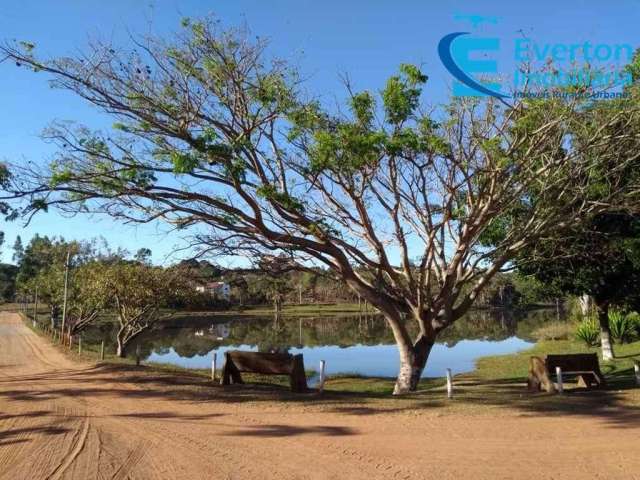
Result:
[{"x": 63, "y": 420}]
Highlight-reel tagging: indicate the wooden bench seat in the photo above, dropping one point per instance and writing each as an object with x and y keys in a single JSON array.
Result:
[
  {"x": 237, "y": 361},
  {"x": 584, "y": 366}
]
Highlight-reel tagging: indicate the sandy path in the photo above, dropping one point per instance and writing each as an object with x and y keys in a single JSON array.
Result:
[{"x": 60, "y": 419}]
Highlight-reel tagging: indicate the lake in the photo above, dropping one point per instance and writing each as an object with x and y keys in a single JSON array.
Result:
[{"x": 358, "y": 344}]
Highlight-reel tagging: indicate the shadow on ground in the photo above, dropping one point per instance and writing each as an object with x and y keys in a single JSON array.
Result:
[{"x": 618, "y": 405}]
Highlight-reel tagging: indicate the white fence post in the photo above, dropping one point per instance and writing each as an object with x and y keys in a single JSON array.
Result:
[
  {"x": 322, "y": 376},
  {"x": 213, "y": 366},
  {"x": 449, "y": 384},
  {"x": 559, "y": 375},
  {"x": 636, "y": 368}
]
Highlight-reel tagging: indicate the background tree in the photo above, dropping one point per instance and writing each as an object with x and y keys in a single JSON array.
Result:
[
  {"x": 602, "y": 260},
  {"x": 391, "y": 197},
  {"x": 143, "y": 295},
  {"x": 143, "y": 255},
  {"x": 18, "y": 250},
  {"x": 89, "y": 295},
  {"x": 7, "y": 282}
]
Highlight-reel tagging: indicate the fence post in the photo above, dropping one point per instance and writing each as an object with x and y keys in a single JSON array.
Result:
[
  {"x": 636, "y": 369},
  {"x": 138, "y": 355},
  {"x": 559, "y": 375},
  {"x": 102, "y": 350},
  {"x": 213, "y": 366},
  {"x": 79, "y": 344},
  {"x": 70, "y": 341},
  {"x": 449, "y": 384},
  {"x": 323, "y": 377},
  {"x": 35, "y": 308}
]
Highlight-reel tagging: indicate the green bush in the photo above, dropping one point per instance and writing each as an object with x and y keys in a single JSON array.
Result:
[
  {"x": 588, "y": 331},
  {"x": 634, "y": 317},
  {"x": 622, "y": 326}
]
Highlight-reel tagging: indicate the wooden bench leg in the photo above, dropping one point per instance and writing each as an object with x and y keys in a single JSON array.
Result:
[
  {"x": 230, "y": 373},
  {"x": 539, "y": 377},
  {"x": 298, "y": 375}
]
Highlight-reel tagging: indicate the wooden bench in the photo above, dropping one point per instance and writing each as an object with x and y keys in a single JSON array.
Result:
[
  {"x": 237, "y": 361},
  {"x": 584, "y": 366}
]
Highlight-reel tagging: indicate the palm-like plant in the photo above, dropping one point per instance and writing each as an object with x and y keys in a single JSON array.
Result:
[
  {"x": 622, "y": 326},
  {"x": 588, "y": 331}
]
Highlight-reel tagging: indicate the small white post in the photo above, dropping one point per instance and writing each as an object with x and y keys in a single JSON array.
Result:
[
  {"x": 79, "y": 344},
  {"x": 636, "y": 368},
  {"x": 449, "y": 384},
  {"x": 213, "y": 366},
  {"x": 323, "y": 377},
  {"x": 559, "y": 375},
  {"x": 102, "y": 350}
]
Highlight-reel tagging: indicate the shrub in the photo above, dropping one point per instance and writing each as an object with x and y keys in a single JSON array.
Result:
[
  {"x": 621, "y": 325},
  {"x": 588, "y": 331},
  {"x": 634, "y": 317}
]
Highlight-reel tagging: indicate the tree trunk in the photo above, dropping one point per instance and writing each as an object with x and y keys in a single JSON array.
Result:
[
  {"x": 605, "y": 331},
  {"x": 413, "y": 359},
  {"x": 120, "y": 346},
  {"x": 586, "y": 301}
]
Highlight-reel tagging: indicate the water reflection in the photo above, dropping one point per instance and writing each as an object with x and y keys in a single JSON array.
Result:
[{"x": 361, "y": 344}]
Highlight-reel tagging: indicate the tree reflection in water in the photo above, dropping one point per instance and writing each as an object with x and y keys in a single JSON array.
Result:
[{"x": 197, "y": 336}]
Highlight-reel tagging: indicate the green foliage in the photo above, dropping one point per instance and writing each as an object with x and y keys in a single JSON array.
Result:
[
  {"x": 272, "y": 90},
  {"x": 634, "y": 317},
  {"x": 349, "y": 149},
  {"x": 588, "y": 331},
  {"x": 184, "y": 162},
  {"x": 7, "y": 282},
  {"x": 363, "y": 106},
  {"x": 622, "y": 326},
  {"x": 402, "y": 93},
  {"x": 271, "y": 193}
]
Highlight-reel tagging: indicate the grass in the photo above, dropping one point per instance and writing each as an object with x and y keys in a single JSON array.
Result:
[{"x": 554, "y": 331}]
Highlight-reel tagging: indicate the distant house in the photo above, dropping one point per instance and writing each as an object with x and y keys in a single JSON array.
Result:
[{"x": 216, "y": 289}]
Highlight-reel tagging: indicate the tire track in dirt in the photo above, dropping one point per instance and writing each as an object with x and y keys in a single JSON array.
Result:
[
  {"x": 78, "y": 443},
  {"x": 134, "y": 457}
]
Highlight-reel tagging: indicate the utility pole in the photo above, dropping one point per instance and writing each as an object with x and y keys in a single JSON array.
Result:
[
  {"x": 35, "y": 307},
  {"x": 66, "y": 289}
]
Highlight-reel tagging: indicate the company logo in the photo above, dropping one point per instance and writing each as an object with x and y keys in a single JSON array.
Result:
[
  {"x": 458, "y": 61},
  {"x": 471, "y": 60}
]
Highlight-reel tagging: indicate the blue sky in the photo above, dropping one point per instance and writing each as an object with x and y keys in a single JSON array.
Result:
[{"x": 365, "y": 39}]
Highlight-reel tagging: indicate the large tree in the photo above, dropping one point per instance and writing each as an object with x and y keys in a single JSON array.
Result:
[{"x": 397, "y": 200}]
